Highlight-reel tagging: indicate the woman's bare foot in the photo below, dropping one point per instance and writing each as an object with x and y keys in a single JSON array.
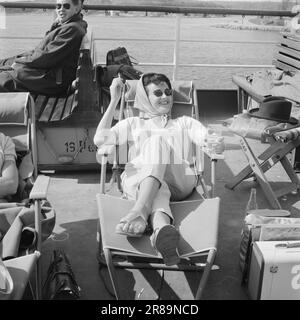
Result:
[{"x": 133, "y": 224}]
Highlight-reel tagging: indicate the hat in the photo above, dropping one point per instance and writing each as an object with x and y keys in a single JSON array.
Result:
[{"x": 274, "y": 108}]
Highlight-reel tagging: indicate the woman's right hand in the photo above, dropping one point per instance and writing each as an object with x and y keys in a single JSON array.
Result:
[{"x": 116, "y": 88}]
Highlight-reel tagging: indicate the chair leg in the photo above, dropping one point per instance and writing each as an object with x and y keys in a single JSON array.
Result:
[
  {"x": 274, "y": 152},
  {"x": 290, "y": 171},
  {"x": 103, "y": 174},
  {"x": 112, "y": 272},
  {"x": 244, "y": 174},
  {"x": 207, "y": 269},
  {"x": 204, "y": 186},
  {"x": 38, "y": 228},
  {"x": 259, "y": 173},
  {"x": 239, "y": 100},
  {"x": 213, "y": 178},
  {"x": 100, "y": 252},
  {"x": 243, "y": 100}
]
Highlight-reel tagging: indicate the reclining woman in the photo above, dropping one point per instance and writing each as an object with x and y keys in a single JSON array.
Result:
[
  {"x": 157, "y": 171},
  {"x": 17, "y": 218},
  {"x": 8, "y": 174},
  {"x": 8, "y": 169},
  {"x": 50, "y": 68}
]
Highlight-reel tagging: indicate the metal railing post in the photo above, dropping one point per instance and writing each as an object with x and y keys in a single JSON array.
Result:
[{"x": 176, "y": 47}]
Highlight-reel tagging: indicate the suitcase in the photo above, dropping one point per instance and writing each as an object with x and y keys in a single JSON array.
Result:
[{"x": 275, "y": 270}]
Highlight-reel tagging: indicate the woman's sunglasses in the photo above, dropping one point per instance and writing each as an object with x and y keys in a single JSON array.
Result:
[
  {"x": 66, "y": 6},
  {"x": 159, "y": 93}
]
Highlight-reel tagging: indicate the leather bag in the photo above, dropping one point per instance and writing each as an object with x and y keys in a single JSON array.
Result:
[
  {"x": 60, "y": 283},
  {"x": 119, "y": 56}
]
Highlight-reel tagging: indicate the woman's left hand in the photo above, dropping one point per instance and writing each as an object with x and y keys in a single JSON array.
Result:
[{"x": 116, "y": 89}]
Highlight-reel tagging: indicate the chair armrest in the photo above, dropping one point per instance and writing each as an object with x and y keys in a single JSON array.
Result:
[
  {"x": 106, "y": 150},
  {"x": 212, "y": 155},
  {"x": 40, "y": 188},
  {"x": 21, "y": 269}
]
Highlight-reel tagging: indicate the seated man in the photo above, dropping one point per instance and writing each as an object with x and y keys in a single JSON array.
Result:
[
  {"x": 51, "y": 67},
  {"x": 157, "y": 171},
  {"x": 9, "y": 171}
]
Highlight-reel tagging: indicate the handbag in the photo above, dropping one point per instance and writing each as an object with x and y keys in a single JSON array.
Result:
[
  {"x": 60, "y": 283},
  {"x": 119, "y": 56},
  {"x": 107, "y": 74}
]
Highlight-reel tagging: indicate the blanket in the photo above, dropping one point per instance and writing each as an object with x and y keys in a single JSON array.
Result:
[{"x": 276, "y": 83}]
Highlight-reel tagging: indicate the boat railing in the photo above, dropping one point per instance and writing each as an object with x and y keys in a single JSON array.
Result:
[{"x": 178, "y": 11}]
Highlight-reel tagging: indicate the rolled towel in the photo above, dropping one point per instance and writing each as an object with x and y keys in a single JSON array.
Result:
[
  {"x": 273, "y": 129},
  {"x": 287, "y": 135}
]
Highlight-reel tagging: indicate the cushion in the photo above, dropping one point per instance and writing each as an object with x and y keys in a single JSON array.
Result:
[
  {"x": 183, "y": 92},
  {"x": 14, "y": 118},
  {"x": 13, "y": 107}
]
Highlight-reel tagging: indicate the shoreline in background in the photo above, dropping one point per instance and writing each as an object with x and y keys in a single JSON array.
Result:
[
  {"x": 256, "y": 24},
  {"x": 238, "y": 26}
]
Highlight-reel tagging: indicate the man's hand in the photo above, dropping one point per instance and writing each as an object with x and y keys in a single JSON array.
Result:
[{"x": 116, "y": 89}]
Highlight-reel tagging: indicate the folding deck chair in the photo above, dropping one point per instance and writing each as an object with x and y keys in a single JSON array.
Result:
[
  {"x": 196, "y": 217},
  {"x": 286, "y": 59},
  {"x": 258, "y": 165},
  {"x": 17, "y": 120}
]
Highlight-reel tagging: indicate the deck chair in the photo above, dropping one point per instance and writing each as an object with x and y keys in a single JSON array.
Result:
[
  {"x": 258, "y": 164},
  {"x": 17, "y": 120},
  {"x": 196, "y": 217}
]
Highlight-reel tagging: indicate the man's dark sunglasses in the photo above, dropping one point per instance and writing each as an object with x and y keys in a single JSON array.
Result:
[
  {"x": 159, "y": 93},
  {"x": 66, "y": 6}
]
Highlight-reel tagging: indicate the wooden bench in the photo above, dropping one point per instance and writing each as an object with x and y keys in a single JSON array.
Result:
[
  {"x": 286, "y": 58},
  {"x": 65, "y": 125},
  {"x": 81, "y": 96}
]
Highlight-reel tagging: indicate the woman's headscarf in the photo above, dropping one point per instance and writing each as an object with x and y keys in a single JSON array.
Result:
[{"x": 142, "y": 102}]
